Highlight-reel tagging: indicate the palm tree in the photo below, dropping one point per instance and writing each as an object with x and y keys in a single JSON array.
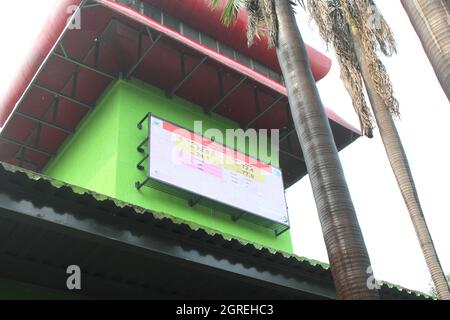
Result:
[
  {"x": 433, "y": 291},
  {"x": 358, "y": 33},
  {"x": 431, "y": 20},
  {"x": 347, "y": 251}
]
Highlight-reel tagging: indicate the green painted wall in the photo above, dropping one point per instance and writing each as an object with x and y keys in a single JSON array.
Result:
[{"x": 102, "y": 157}]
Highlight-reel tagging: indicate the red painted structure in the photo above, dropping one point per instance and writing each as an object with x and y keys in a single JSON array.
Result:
[
  {"x": 68, "y": 70},
  {"x": 198, "y": 14}
]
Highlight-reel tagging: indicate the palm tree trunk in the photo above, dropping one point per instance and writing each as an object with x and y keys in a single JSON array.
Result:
[
  {"x": 431, "y": 20},
  {"x": 402, "y": 171},
  {"x": 347, "y": 251}
]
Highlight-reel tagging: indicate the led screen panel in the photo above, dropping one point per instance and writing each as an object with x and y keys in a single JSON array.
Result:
[{"x": 188, "y": 161}]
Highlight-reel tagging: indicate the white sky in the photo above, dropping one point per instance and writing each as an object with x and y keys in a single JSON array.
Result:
[{"x": 387, "y": 229}]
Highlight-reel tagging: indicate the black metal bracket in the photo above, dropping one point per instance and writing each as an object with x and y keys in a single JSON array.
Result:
[
  {"x": 139, "y": 185},
  {"x": 279, "y": 233},
  {"x": 139, "y": 165},
  {"x": 194, "y": 202},
  {"x": 139, "y": 125},
  {"x": 236, "y": 217},
  {"x": 140, "y": 148}
]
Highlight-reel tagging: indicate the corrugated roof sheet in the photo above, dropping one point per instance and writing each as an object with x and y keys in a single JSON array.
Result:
[{"x": 182, "y": 227}]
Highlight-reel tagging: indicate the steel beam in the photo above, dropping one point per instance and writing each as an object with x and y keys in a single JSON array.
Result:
[
  {"x": 24, "y": 161},
  {"x": 227, "y": 94},
  {"x": 287, "y": 134},
  {"x": 220, "y": 80},
  {"x": 27, "y": 146},
  {"x": 147, "y": 51},
  {"x": 44, "y": 122},
  {"x": 186, "y": 77},
  {"x": 84, "y": 66},
  {"x": 139, "y": 46},
  {"x": 20, "y": 155},
  {"x": 63, "y": 49},
  {"x": 257, "y": 101},
  {"x": 37, "y": 138},
  {"x": 62, "y": 95},
  {"x": 75, "y": 81},
  {"x": 93, "y": 5},
  {"x": 39, "y": 71},
  {"x": 258, "y": 116},
  {"x": 55, "y": 106},
  {"x": 54, "y": 102},
  {"x": 292, "y": 155}
]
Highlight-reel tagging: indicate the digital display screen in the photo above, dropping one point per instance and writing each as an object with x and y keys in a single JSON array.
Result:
[{"x": 188, "y": 161}]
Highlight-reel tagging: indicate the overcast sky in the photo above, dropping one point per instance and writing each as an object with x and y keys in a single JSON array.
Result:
[{"x": 387, "y": 229}]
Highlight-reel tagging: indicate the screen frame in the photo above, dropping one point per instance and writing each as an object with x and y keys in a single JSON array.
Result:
[{"x": 240, "y": 210}]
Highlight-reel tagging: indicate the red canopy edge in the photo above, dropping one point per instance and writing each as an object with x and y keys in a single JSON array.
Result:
[
  {"x": 200, "y": 15},
  {"x": 232, "y": 64}
]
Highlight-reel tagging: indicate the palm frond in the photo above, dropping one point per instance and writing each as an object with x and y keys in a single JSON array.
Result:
[
  {"x": 334, "y": 30},
  {"x": 376, "y": 38},
  {"x": 230, "y": 11},
  {"x": 262, "y": 17},
  {"x": 334, "y": 19}
]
